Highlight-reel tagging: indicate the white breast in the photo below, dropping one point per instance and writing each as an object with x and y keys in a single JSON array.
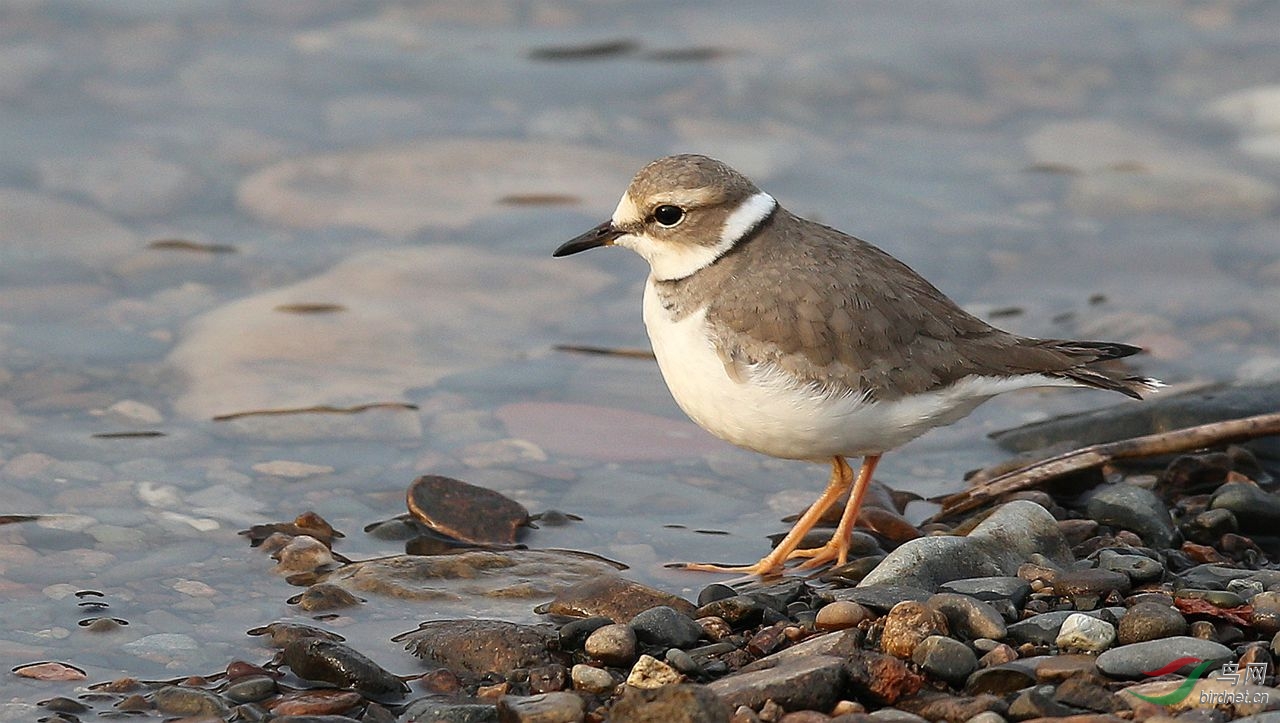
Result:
[{"x": 772, "y": 413}]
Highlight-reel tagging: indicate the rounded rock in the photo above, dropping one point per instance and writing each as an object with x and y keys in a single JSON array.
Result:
[
  {"x": 945, "y": 658},
  {"x": 612, "y": 644},
  {"x": 663, "y": 625},
  {"x": 1150, "y": 621},
  {"x": 591, "y": 679},
  {"x": 841, "y": 614}
]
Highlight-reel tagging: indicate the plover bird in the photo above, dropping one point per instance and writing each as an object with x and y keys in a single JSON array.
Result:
[{"x": 798, "y": 341}]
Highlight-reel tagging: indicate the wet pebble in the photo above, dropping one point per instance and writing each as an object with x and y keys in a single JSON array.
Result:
[
  {"x": 479, "y": 646},
  {"x": 664, "y": 626},
  {"x": 612, "y": 644},
  {"x": 614, "y": 597},
  {"x": 177, "y": 700},
  {"x": 945, "y": 658},
  {"x": 341, "y": 665},
  {"x": 250, "y": 689},
  {"x": 573, "y": 634},
  {"x": 1042, "y": 629},
  {"x": 738, "y": 610}
]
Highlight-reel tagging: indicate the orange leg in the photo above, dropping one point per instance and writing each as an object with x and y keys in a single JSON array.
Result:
[
  {"x": 841, "y": 479},
  {"x": 837, "y": 548}
]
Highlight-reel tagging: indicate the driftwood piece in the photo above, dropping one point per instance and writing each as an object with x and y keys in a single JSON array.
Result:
[{"x": 1096, "y": 455}]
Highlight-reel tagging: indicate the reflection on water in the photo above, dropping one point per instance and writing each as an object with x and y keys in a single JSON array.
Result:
[{"x": 211, "y": 211}]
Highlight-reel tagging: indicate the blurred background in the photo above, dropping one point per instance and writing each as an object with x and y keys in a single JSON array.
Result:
[{"x": 215, "y": 216}]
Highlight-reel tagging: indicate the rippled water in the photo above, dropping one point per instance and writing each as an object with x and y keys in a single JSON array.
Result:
[{"x": 208, "y": 209}]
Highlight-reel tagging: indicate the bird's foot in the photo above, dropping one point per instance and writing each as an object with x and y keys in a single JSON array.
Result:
[
  {"x": 766, "y": 567},
  {"x": 836, "y": 551}
]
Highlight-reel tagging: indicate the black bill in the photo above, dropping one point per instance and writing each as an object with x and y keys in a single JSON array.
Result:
[{"x": 602, "y": 235}]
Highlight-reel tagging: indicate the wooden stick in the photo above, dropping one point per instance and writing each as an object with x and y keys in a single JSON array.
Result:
[{"x": 1096, "y": 455}]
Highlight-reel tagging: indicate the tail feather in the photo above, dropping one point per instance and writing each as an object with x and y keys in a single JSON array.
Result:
[{"x": 1086, "y": 374}]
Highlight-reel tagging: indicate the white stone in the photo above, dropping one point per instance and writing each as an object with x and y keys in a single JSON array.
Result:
[
  {"x": 649, "y": 672},
  {"x": 1086, "y": 634}
]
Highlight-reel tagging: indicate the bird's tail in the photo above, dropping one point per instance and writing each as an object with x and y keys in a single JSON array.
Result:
[{"x": 1090, "y": 353}]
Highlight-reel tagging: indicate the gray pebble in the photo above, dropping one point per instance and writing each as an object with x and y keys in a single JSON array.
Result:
[
  {"x": 1131, "y": 661},
  {"x": 591, "y": 679},
  {"x": 666, "y": 627},
  {"x": 945, "y": 658},
  {"x": 1133, "y": 508}
]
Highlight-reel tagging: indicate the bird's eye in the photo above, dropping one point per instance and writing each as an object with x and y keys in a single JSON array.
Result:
[{"x": 668, "y": 215}]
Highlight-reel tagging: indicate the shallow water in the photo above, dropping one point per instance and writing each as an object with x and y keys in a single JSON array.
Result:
[{"x": 371, "y": 192}]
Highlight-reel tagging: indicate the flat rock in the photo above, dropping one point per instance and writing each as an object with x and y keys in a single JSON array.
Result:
[
  {"x": 448, "y": 184},
  {"x": 613, "y": 597},
  {"x": 496, "y": 575},
  {"x": 996, "y": 547},
  {"x": 881, "y": 597},
  {"x": 480, "y": 646},
  {"x": 988, "y": 589},
  {"x": 409, "y": 317},
  {"x": 1135, "y": 659},
  {"x": 812, "y": 682}
]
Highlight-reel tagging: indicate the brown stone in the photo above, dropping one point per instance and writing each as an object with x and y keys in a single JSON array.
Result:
[
  {"x": 671, "y": 704},
  {"x": 479, "y": 646},
  {"x": 615, "y": 598},
  {"x": 907, "y": 624},
  {"x": 883, "y": 679}
]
